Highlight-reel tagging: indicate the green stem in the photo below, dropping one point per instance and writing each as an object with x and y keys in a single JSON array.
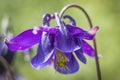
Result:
[{"x": 94, "y": 41}]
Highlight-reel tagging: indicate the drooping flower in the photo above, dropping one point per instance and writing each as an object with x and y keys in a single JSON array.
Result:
[
  {"x": 56, "y": 44},
  {"x": 7, "y": 54}
]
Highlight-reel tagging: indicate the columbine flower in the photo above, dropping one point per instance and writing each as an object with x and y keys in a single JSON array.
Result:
[
  {"x": 56, "y": 44},
  {"x": 7, "y": 54}
]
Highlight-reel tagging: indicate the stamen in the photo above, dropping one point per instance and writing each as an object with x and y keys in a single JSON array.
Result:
[{"x": 61, "y": 60}]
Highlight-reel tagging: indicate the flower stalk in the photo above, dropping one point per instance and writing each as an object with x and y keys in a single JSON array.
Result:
[{"x": 91, "y": 25}]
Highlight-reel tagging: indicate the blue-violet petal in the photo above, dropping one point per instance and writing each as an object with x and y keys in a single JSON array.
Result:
[
  {"x": 68, "y": 65},
  {"x": 45, "y": 50},
  {"x": 80, "y": 33},
  {"x": 25, "y": 39},
  {"x": 87, "y": 49},
  {"x": 80, "y": 55}
]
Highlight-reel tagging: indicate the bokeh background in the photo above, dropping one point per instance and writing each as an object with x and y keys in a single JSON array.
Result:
[{"x": 25, "y": 14}]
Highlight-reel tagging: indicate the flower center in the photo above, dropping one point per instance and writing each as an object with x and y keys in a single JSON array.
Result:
[{"x": 61, "y": 60}]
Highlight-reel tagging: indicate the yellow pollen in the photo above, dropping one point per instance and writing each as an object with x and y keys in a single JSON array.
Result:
[{"x": 61, "y": 60}]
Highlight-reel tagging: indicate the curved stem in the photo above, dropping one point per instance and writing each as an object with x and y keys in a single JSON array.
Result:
[
  {"x": 94, "y": 41},
  {"x": 6, "y": 65},
  {"x": 79, "y": 7}
]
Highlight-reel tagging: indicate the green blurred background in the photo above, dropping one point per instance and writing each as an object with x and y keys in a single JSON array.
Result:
[{"x": 25, "y": 14}]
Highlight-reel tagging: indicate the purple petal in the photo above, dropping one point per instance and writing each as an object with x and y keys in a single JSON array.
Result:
[
  {"x": 68, "y": 62},
  {"x": 45, "y": 50},
  {"x": 25, "y": 39},
  {"x": 87, "y": 49},
  {"x": 42, "y": 65},
  {"x": 80, "y": 55},
  {"x": 65, "y": 42},
  {"x": 28, "y": 38},
  {"x": 80, "y": 33},
  {"x": 50, "y": 30}
]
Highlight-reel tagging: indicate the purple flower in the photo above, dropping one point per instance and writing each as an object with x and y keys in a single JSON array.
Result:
[
  {"x": 6, "y": 54},
  {"x": 56, "y": 44}
]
